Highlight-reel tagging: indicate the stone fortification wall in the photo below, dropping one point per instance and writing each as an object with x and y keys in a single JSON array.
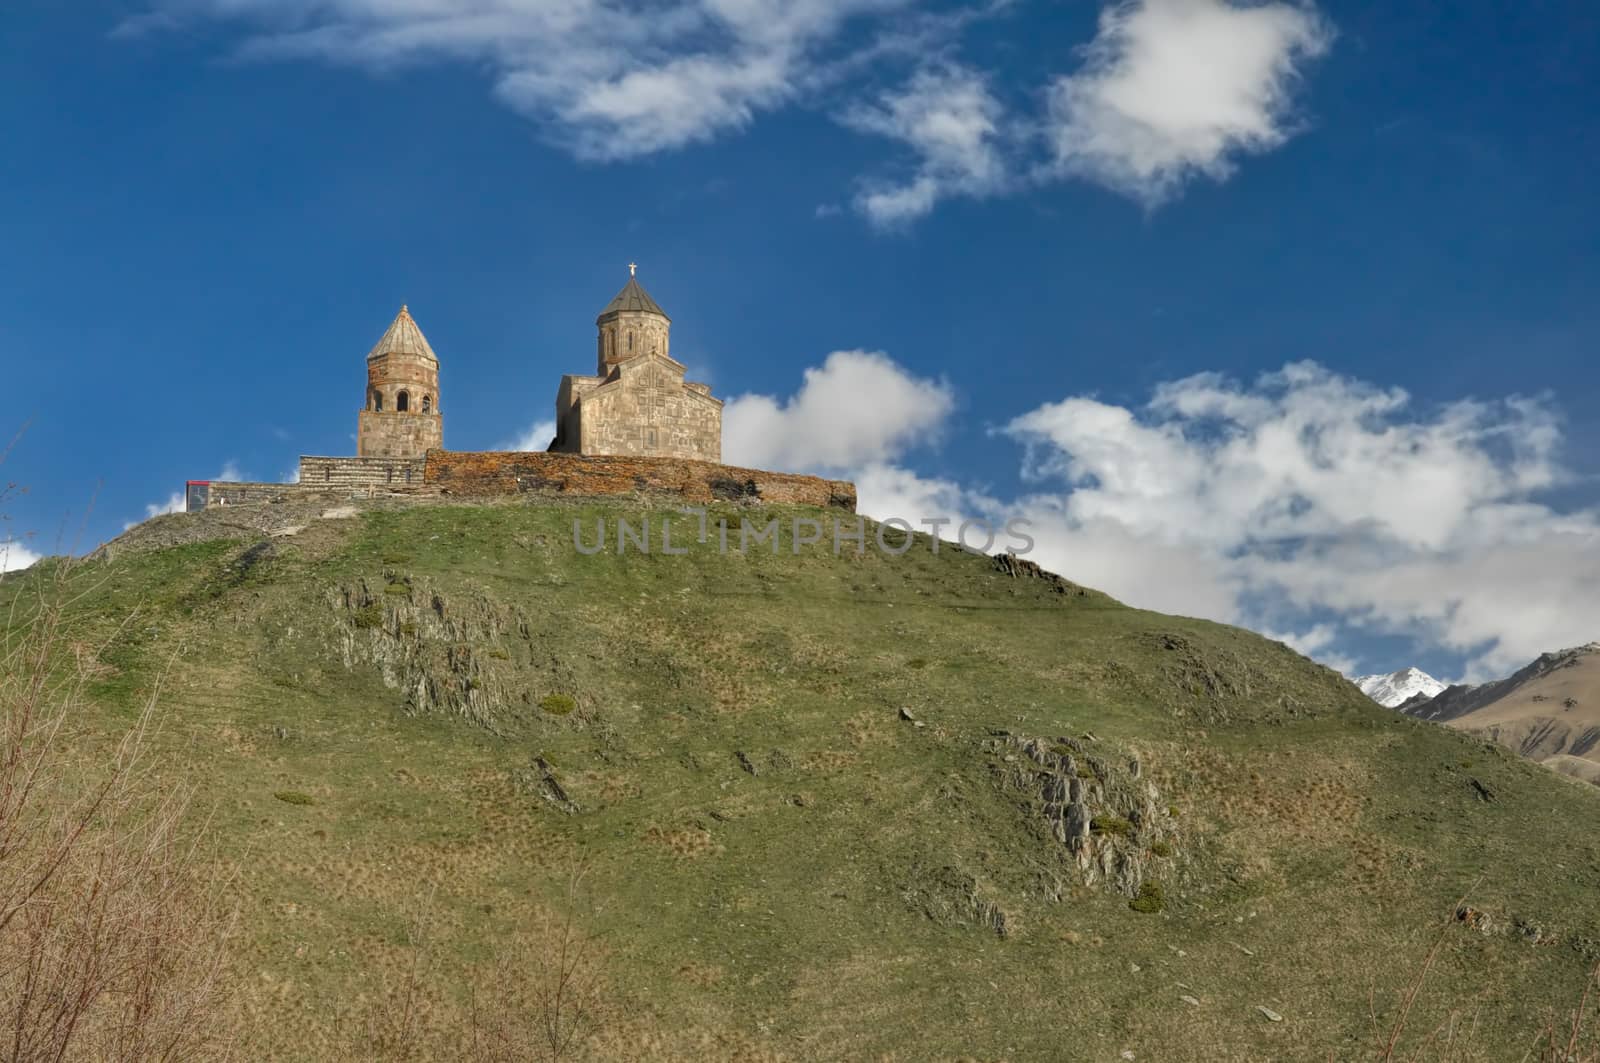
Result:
[
  {"x": 334, "y": 473},
  {"x": 505, "y": 473}
]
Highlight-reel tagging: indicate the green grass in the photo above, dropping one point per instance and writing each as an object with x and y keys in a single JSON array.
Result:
[{"x": 839, "y": 901}]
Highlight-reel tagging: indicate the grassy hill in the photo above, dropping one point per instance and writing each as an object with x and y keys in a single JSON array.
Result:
[{"x": 818, "y": 802}]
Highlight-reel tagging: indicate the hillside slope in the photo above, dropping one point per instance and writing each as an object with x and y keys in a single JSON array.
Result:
[{"x": 917, "y": 807}]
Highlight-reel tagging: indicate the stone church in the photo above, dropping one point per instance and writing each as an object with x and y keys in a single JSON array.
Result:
[
  {"x": 635, "y": 425},
  {"x": 637, "y": 404}
]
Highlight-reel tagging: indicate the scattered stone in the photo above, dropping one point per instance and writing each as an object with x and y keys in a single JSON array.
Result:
[
  {"x": 746, "y": 763},
  {"x": 1135, "y": 968},
  {"x": 905, "y": 714},
  {"x": 1484, "y": 793},
  {"x": 1191, "y": 1001},
  {"x": 1271, "y": 1015},
  {"x": 1127, "y": 1053},
  {"x": 1242, "y": 949}
]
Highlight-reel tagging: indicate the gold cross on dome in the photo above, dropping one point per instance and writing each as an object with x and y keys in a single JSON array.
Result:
[{"x": 633, "y": 268}]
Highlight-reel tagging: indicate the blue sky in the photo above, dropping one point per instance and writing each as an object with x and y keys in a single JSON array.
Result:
[{"x": 1003, "y": 239}]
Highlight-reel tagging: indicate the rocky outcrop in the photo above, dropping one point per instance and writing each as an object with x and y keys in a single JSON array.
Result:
[
  {"x": 455, "y": 656},
  {"x": 1100, "y": 807},
  {"x": 1021, "y": 568}
]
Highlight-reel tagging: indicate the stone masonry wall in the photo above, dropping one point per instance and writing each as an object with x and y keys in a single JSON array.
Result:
[
  {"x": 646, "y": 410},
  {"x": 504, "y": 473},
  {"x": 334, "y": 473},
  {"x": 389, "y": 434},
  {"x": 218, "y": 493}
]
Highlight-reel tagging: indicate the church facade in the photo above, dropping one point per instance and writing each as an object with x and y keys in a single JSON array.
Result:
[{"x": 637, "y": 403}]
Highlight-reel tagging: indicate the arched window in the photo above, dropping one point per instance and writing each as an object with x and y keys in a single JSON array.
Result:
[
  {"x": 630, "y": 342},
  {"x": 402, "y": 402},
  {"x": 427, "y": 404},
  {"x": 377, "y": 399}
]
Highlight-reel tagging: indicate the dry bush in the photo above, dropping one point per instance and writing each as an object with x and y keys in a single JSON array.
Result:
[
  {"x": 1570, "y": 1034},
  {"x": 113, "y": 931},
  {"x": 544, "y": 998}
]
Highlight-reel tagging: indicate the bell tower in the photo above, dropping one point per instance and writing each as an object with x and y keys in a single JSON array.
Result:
[
  {"x": 400, "y": 418},
  {"x": 631, "y": 324}
]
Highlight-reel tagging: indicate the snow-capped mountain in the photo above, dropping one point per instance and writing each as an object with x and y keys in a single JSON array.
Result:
[{"x": 1396, "y": 688}]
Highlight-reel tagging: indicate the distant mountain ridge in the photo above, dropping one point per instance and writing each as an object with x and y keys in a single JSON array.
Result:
[
  {"x": 1398, "y": 688},
  {"x": 1548, "y": 711}
]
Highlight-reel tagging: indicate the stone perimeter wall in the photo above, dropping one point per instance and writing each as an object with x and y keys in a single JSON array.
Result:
[
  {"x": 334, "y": 473},
  {"x": 508, "y": 473},
  {"x": 501, "y": 473}
]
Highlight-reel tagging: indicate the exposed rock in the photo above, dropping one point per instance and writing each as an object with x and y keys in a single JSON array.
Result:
[
  {"x": 950, "y": 896},
  {"x": 540, "y": 781},
  {"x": 1107, "y": 817},
  {"x": 428, "y": 647},
  {"x": 1271, "y": 1015},
  {"x": 746, "y": 763},
  {"x": 1018, "y": 568}
]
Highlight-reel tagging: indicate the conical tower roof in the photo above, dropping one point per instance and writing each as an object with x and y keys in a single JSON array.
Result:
[
  {"x": 403, "y": 337},
  {"x": 632, "y": 297}
]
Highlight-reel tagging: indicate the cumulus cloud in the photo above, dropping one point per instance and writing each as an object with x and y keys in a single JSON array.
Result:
[
  {"x": 14, "y": 556},
  {"x": 1171, "y": 89},
  {"x": 537, "y": 437},
  {"x": 857, "y": 408},
  {"x": 1307, "y": 492},
  {"x": 1306, "y": 504},
  {"x": 1166, "y": 90},
  {"x": 953, "y": 124}
]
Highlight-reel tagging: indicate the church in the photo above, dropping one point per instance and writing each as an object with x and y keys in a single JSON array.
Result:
[
  {"x": 634, "y": 425},
  {"x": 636, "y": 404}
]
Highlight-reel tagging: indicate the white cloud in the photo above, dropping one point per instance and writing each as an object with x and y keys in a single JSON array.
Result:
[
  {"x": 609, "y": 81},
  {"x": 1166, "y": 90},
  {"x": 857, "y": 408},
  {"x": 176, "y": 503},
  {"x": 537, "y": 437},
  {"x": 1305, "y": 504},
  {"x": 14, "y": 556},
  {"x": 952, "y": 122},
  {"x": 1308, "y": 493},
  {"x": 1175, "y": 88}
]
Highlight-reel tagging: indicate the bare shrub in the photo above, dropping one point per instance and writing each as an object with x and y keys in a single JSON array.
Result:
[
  {"x": 1568, "y": 1034},
  {"x": 113, "y": 932},
  {"x": 545, "y": 996}
]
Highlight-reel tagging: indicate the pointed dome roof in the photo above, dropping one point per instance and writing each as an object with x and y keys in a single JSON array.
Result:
[
  {"x": 632, "y": 297},
  {"x": 403, "y": 337}
]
